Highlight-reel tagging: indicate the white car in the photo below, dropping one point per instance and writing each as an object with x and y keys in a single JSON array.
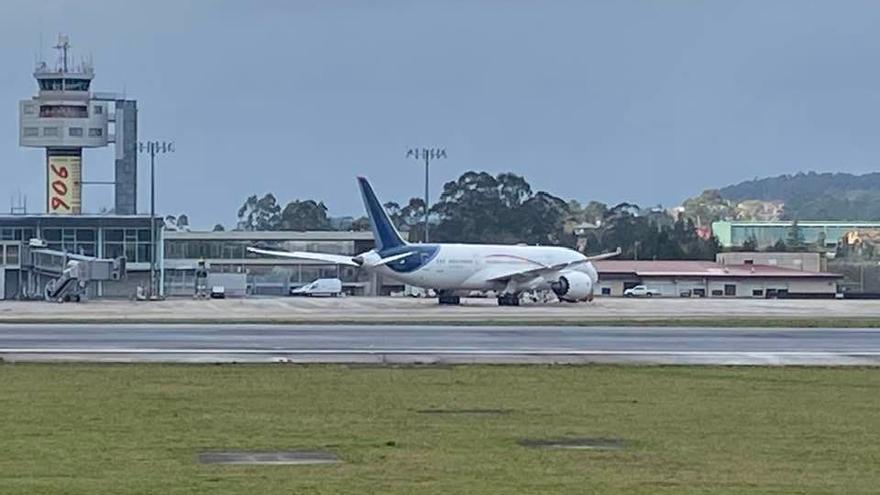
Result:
[
  {"x": 640, "y": 291},
  {"x": 331, "y": 287}
]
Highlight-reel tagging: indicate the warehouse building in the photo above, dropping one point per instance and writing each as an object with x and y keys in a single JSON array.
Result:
[{"x": 711, "y": 279}]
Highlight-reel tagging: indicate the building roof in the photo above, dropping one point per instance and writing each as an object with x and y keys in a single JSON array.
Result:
[
  {"x": 82, "y": 221},
  {"x": 801, "y": 223},
  {"x": 701, "y": 269},
  {"x": 281, "y": 235}
]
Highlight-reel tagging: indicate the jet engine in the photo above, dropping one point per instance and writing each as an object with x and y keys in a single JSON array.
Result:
[{"x": 573, "y": 287}]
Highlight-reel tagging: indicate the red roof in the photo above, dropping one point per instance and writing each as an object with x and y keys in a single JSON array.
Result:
[{"x": 701, "y": 269}]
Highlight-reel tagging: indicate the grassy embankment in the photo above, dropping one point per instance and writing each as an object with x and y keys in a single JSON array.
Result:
[{"x": 128, "y": 429}]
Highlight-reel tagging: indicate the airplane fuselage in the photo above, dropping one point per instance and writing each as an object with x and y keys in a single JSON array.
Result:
[{"x": 473, "y": 266}]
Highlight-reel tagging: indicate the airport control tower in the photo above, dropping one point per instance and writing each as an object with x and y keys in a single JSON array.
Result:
[{"x": 65, "y": 117}]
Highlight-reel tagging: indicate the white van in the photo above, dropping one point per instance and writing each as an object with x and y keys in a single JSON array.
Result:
[{"x": 322, "y": 287}]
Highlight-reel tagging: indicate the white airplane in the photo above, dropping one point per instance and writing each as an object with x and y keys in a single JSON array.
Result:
[{"x": 451, "y": 269}]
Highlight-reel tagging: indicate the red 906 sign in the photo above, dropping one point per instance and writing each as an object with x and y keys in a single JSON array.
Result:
[
  {"x": 64, "y": 182},
  {"x": 59, "y": 174}
]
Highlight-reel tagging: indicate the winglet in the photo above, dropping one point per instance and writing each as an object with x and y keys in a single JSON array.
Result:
[{"x": 384, "y": 232}]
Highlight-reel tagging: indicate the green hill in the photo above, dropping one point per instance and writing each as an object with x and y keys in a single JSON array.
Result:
[{"x": 814, "y": 196}]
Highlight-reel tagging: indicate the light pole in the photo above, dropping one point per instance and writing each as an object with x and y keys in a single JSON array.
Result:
[
  {"x": 153, "y": 148},
  {"x": 426, "y": 154}
]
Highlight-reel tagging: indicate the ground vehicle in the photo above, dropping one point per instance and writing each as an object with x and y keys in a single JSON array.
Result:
[
  {"x": 641, "y": 291},
  {"x": 218, "y": 292},
  {"x": 321, "y": 287}
]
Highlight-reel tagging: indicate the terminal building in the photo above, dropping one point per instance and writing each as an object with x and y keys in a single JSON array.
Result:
[
  {"x": 101, "y": 236},
  {"x": 225, "y": 252}
]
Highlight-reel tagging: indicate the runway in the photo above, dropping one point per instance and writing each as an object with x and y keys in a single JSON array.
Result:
[{"x": 408, "y": 344}]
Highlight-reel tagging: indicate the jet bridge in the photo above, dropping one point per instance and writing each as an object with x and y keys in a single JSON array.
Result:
[{"x": 70, "y": 274}]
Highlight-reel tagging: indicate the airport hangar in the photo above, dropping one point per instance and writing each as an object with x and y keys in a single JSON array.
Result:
[{"x": 736, "y": 274}]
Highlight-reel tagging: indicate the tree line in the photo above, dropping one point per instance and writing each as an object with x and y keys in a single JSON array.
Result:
[{"x": 479, "y": 207}]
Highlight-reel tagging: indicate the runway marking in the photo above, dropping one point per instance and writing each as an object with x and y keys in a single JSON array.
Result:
[
  {"x": 441, "y": 351},
  {"x": 399, "y": 328}
]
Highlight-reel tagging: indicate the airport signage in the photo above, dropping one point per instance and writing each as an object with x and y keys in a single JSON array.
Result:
[{"x": 64, "y": 185}]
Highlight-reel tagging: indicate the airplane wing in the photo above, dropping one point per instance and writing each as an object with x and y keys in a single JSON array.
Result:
[
  {"x": 335, "y": 259},
  {"x": 604, "y": 256},
  {"x": 531, "y": 273}
]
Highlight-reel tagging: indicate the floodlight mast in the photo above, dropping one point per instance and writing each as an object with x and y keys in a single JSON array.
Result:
[
  {"x": 153, "y": 148},
  {"x": 426, "y": 154}
]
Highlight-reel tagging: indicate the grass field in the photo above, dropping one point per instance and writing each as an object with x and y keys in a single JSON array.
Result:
[{"x": 127, "y": 429}]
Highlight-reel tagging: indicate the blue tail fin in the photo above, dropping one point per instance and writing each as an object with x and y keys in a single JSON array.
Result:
[{"x": 384, "y": 232}]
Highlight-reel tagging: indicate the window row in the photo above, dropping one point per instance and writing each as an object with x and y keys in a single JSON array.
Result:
[
  {"x": 134, "y": 244},
  {"x": 16, "y": 234},
  {"x": 69, "y": 84},
  {"x": 221, "y": 249},
  {"x": 54, "y": 131},
  {"x": 75, "y": 111}
]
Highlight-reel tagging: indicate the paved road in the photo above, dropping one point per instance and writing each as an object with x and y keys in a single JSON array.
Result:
[{"x": 437, "y": 344}]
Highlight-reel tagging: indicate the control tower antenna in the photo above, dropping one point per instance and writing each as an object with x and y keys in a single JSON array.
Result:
[{"x": 63, "y": 46}]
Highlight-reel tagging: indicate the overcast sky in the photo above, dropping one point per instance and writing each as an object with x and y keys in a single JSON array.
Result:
[{"x": 646, "y": 101}]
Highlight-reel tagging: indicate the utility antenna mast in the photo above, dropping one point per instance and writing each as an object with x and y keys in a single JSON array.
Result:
[{"x": 63, "y": 46}]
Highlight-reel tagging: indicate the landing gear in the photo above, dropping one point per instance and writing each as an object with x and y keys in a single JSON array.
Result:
[
  {"x": 448, "y": 299},
  {"x": 508, "y": 300}
]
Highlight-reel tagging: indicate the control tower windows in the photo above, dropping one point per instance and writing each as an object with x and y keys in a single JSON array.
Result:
[
  {"x": 53, "y": 84},
  {"x": 50, "y": 84},
  {"x": 64, "y": 111},
  {"x": 98, "y": 110},
  {"x": 29, "y": 109},
  {"x": 50, "y": 131},
  {"x": 76, "y": 84},
  {"x": 96, "y": 132},
  {"x": 31, "y": 131},
  {"x": 75, "y": 131}
]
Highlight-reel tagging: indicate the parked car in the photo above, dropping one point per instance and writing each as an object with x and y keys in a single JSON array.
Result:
[
  {"x": 321, "y": 287},
  {"x": 641, "y": 291},
  {"x": 218, "y": 292}
]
